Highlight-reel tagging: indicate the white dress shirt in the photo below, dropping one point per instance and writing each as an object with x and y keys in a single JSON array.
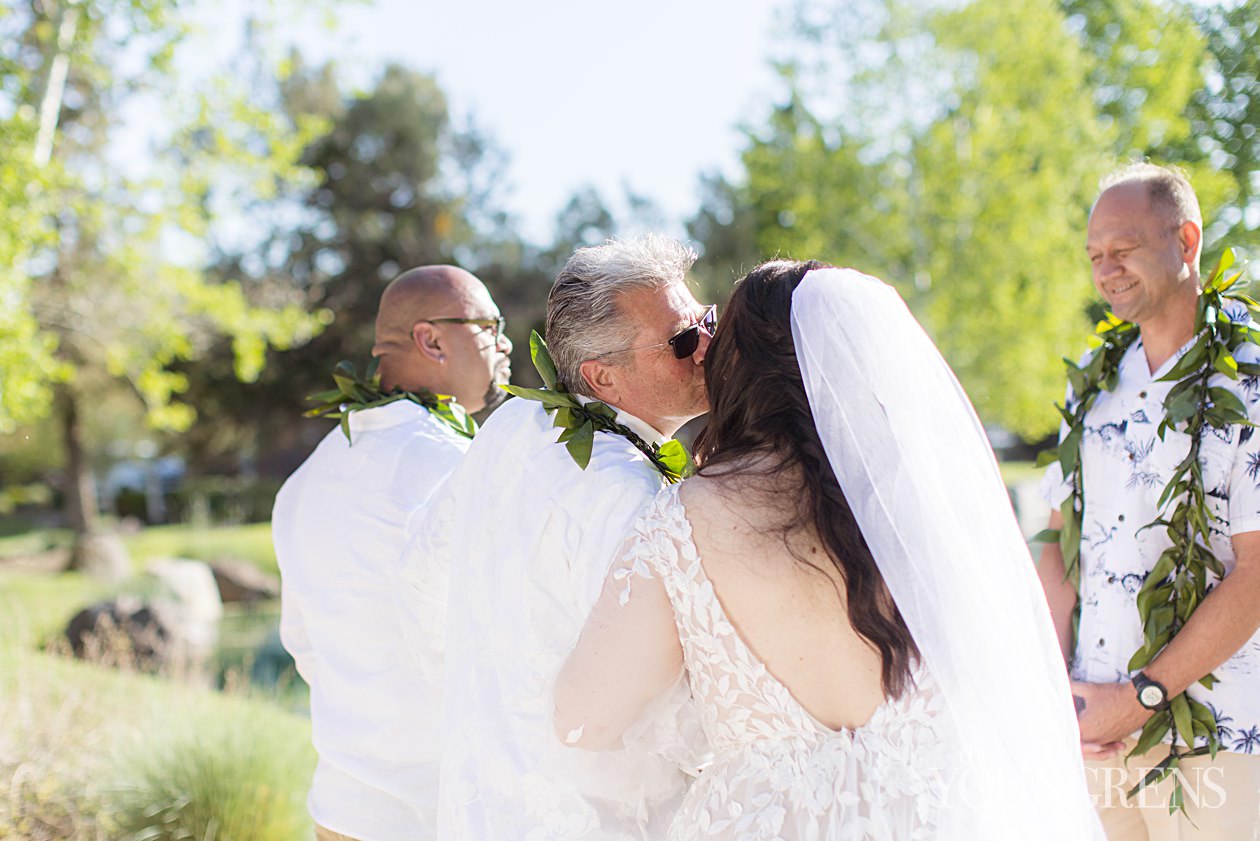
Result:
[
  {"x": 339, "y": 527},
  {"x": 530, "y": 537},
  {"x": 1126, "y": 466}
]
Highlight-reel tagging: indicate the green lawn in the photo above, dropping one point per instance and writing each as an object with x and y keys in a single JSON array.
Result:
[
  {"x": 250, "y": 543},
  {"x": 19, "y": 539},
  {"x": 35, "y": 606},
  {"x": 1016, "y": 472}
]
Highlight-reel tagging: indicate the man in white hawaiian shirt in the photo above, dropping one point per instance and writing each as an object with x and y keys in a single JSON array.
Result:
[
  {"x": 1144, "y": 239},
  {"x": 530, "y": 536},
  {"x": 339, "y": 527}
]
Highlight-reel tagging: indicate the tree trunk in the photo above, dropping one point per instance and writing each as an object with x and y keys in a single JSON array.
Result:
[
  {"x": 80, "y": 490},
  {"x": 102, "y": 556}
]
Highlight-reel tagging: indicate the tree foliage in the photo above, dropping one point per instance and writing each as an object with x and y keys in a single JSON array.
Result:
[
  {"x": 396, "y": 184},
  {"x": 1224, "y": 116},
  {"x": 107, "y": 275},
  {"x": 28, "y": 364},
  {"x": 954, "y": 150}
]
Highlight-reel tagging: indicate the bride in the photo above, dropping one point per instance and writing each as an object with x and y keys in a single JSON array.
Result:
[{"x": 845, "y": 590}]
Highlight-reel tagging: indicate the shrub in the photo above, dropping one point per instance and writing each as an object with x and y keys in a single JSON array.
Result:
[
  {"x": 88, "y": 753},
  {"x": 223, "y": 783},
  {"x": 222, "y": 499}
]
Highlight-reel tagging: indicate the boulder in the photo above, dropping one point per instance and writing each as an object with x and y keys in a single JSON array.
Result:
[
  {"x": 102, "y": 556},
  {"x": 240, "y": 581},
  {"x": 187, "y": 590},
  {"x": 126, "y": 633},
  {"x": 172, "y": 631}
]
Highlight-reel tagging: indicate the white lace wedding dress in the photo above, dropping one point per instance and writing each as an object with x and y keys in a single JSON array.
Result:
[{"x": 777, "y": 772}]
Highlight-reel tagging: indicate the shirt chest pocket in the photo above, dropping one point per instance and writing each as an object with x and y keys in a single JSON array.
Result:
[{"x": 1215, "y": 456}]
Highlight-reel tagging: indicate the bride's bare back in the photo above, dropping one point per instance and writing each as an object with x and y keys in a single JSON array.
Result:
[{"x": 790, "y": 612}]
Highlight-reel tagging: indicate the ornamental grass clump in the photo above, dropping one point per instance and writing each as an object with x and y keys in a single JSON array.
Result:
[
  {"x": 52, "y": 741},
  {"x": 89, "y": 753},
  {"x": 239, "y": 779}
]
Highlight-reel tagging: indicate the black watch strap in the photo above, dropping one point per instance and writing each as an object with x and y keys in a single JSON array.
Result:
[{"x": 1151, "y": 693}]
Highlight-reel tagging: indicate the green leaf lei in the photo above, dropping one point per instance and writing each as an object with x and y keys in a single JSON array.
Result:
[
  {"x": 353, "y": 394},
  {"x": 580, "y": 421},
  {"x": 1178, "y": 583}
]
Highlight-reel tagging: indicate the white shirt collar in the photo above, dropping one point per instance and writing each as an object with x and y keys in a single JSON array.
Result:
[
  {"x": 383, "y": 417},
  {"x": 639, "y": 427}
]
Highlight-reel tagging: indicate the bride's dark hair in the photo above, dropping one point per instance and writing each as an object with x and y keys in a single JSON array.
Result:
[{"x": 759, "y": 413}]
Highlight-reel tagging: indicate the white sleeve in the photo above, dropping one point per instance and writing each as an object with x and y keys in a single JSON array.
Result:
[
  {"x": 294, "y": 637},
  {"x": 629, "y": 653}
]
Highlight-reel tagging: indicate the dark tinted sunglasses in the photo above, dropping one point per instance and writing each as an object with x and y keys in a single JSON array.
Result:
[{"x": 686, "y": 341}]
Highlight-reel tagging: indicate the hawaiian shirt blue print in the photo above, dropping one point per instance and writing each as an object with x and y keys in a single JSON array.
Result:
[{"x": 1125, "y": 467}]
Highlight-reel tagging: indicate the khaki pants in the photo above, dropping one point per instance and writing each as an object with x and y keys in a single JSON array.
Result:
[
  {"x": 1222, "y": 798},
  {"x": 322, "y": 834}
]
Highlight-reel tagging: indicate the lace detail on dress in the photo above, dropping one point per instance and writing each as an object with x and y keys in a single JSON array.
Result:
[{"x": 778, "y": 773}]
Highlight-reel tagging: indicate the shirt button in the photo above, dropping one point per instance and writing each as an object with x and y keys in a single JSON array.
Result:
[
  {"x": 1111, "y": 579},
  {"x": 1101, "y": 643},
  {"x": 1121, "y": 518},
  {"x": 1142, "y": 395}
]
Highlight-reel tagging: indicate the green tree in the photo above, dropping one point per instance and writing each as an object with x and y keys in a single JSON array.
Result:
[
  {"x": 1007, "y": 174},
  {"x": 1167, "y": 79},
  {"x": 28, "y": 364},
  {"x": 1146, "y": 63},
  {"x": 1224, "y": 117},
  {"x": 117, "y": 290},
  {"x": 396, "y": 184},
  {"x": 954, "y": 150},
  {"x": 725, "y": 228}
]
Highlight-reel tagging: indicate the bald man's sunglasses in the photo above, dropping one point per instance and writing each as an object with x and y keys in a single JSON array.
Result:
[{"x": 496, "y": 326}]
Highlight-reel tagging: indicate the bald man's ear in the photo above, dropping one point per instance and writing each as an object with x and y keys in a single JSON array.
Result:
[
  {"x": 1190, "y": 235},
  {"x": 426, "y": 339},
  {"x": 603, "y": 381}
]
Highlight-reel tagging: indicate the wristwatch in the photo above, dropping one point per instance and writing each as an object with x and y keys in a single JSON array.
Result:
[{"x": 1151, "y": 693}]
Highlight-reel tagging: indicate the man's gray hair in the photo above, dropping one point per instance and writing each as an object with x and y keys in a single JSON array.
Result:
[
  {"x": 1167, "y": 186},
  {"x": 584, "y": 319}
]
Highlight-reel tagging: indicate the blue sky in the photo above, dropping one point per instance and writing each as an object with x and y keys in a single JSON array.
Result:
[{"x": 648, "y": 94}]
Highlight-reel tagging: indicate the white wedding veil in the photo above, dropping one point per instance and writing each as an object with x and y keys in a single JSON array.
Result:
[{"x": 917, "y": 470}]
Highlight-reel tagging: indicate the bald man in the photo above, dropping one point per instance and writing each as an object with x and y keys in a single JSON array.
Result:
[
  {"x": 463, "y": 355},
  {"x": 365, "y": 636}
]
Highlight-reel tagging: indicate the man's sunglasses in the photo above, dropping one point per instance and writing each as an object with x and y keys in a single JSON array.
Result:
[
  {"x": 686, "y": 341},
  {"x": 496, "y": 325}
]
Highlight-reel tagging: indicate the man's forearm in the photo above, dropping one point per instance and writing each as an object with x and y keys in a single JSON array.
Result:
[
  {"x": 1060, "y": 594},
  {"x": 1221, "y": 625}
]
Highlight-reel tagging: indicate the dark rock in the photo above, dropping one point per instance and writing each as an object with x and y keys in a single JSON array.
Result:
[
  {"x": 126, "y": 633},
  {"x": 243, "y": 582}
]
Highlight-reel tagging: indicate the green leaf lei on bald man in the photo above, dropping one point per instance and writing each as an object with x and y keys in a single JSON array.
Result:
[
  {"x": 354, "y": 394},
  {"x": 1178, "y": 583},
  {"x": 581, "y": 420}
]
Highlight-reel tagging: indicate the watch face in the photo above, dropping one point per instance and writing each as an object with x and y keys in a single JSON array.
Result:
[{"x": 1151, "y": 696}]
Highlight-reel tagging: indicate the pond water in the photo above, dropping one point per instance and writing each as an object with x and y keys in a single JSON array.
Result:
[{"x": 250, "y": 656}]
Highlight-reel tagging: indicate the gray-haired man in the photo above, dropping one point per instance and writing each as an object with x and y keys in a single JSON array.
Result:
[{"x": 530, "y": 536}]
